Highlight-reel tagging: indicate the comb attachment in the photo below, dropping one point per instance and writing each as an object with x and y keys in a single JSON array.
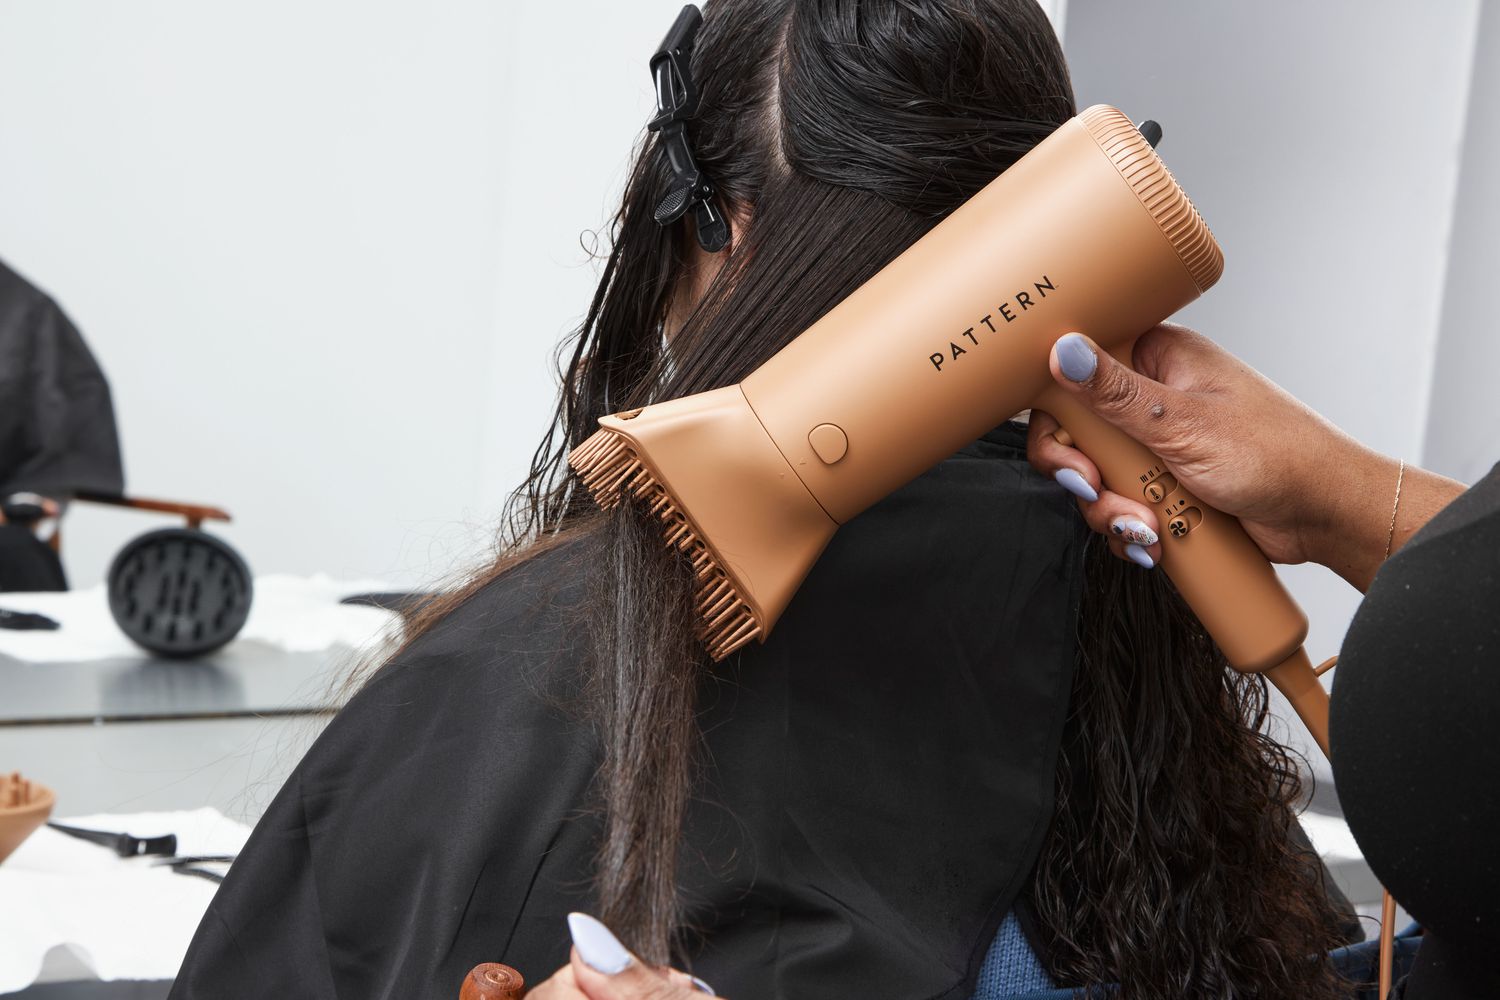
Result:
[{"x": 610, "y": 470}]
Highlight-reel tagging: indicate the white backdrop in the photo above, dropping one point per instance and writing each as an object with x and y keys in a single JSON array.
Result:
[{"x": 324, "y": 250}]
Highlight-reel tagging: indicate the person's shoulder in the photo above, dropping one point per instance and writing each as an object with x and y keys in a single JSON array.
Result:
[
  {"x": 20, "y": 294},
  {"x": 525, "y": 616},
  {"x": 28, "y": 317},
  {"x": 508, "y": 657}
]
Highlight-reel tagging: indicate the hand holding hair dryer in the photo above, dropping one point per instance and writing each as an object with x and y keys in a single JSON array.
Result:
[{"x": 1088, "y": 232}]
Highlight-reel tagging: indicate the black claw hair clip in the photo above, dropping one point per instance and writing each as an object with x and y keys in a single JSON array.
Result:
[{"x": 676, "y": 102}]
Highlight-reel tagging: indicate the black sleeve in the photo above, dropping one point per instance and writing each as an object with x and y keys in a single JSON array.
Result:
[{"x": 1415, "y": 702}]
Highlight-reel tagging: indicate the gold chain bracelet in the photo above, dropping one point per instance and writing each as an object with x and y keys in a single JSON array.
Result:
[{"x": 1390, "y": 536}]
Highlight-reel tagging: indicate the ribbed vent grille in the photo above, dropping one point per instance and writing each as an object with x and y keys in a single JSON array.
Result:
[
  {"x": 610, "y": 468},
  {"x": 1153, "y": 183}
]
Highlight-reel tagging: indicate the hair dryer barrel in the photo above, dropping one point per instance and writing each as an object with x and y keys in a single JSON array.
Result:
[
  {"x": 952, "y": 337},
  {"x": 1087, "y": 232}
]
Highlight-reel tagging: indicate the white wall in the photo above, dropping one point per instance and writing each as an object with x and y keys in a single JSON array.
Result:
[
  {"x": 1463, "y": 423},
  {"x": 574, "y": 112},
  {"x": 321, "y": 249}
]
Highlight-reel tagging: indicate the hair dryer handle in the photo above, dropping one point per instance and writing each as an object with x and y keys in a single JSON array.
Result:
[{"x": 1218, "y": 570}]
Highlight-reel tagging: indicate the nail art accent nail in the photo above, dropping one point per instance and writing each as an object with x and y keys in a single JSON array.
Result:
[
  {"x": 1076, "y": 358},
  {"x": 1072, "y": 481},
  {"x": 1133, "y": 529},
  {"x": 597, "y": 945},
  {"x": 1140, "y": 556}
]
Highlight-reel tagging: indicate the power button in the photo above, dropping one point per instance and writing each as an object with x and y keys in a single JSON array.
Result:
[
  {"x": 1160, "y": 488},
  {"x": 829, "y": 442}
]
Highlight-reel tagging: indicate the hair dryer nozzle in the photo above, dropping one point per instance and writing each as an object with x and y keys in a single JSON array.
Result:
[{"x": 726, "y": 498}]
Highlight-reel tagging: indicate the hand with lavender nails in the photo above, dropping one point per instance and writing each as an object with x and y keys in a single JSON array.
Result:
[
  {"x": 1129, "y": 526},
  {"x": 1303, "y": 489},
  {"x": 601, "y": 968}
]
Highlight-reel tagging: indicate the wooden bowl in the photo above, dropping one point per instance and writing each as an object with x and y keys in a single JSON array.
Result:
[{"x": 24, "y": 806}]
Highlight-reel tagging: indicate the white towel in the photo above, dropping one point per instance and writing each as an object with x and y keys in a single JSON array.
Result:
[
  {"x": 121, "y": 917},
  {"x": 298, "y": 614}
]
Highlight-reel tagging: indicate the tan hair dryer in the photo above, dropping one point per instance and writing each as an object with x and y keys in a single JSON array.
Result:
[{"x": 1088, "y": 232}]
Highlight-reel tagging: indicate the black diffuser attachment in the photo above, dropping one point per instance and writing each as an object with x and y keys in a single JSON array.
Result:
[{"x": 179, "y": 591}]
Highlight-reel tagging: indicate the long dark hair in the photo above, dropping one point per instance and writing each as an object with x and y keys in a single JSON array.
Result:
[{"x": 839, "y": 132}]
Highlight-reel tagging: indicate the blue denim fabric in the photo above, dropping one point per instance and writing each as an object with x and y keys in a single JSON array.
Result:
[{"x": 1359, "y": 964}]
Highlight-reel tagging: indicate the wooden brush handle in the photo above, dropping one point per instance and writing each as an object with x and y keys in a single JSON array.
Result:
[{"x": 493, "y": 981}]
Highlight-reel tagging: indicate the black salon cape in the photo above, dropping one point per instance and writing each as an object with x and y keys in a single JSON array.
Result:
[
  {"x": 57, "y": 425},
  {"x": 877, "y": 782}
]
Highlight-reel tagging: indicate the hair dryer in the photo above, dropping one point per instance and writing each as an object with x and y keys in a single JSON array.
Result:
[{"x": 1088, "y": 232}]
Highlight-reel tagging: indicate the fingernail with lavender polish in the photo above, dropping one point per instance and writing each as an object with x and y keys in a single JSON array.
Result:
[
  {"x": 597, "y": 945},
  {"x": 1140, "y": 556},
  {"x": 1133, "y": 529},
  {"x": 1072, "y": 481},
  {"x": 1076, "y": 358}
]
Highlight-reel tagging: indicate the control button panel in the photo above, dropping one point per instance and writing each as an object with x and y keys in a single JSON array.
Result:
[
  {"x": 1159, "y": 488},
  {"x": 1186, "y": 521},
  {"x": 829, "y": 442}
]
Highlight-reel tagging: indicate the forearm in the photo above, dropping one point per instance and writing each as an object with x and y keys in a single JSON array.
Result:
[{"x": 1358, "y": 521}]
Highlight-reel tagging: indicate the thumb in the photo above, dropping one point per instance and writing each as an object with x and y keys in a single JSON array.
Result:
[
  {"x": 1132, "y": 402},
  {"x": 606, "y": 970}
]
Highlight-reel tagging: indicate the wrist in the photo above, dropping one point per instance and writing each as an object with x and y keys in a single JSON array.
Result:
[
  {"x": 1423, "y": 494},
  {"x": 1348, "y": 523}
]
